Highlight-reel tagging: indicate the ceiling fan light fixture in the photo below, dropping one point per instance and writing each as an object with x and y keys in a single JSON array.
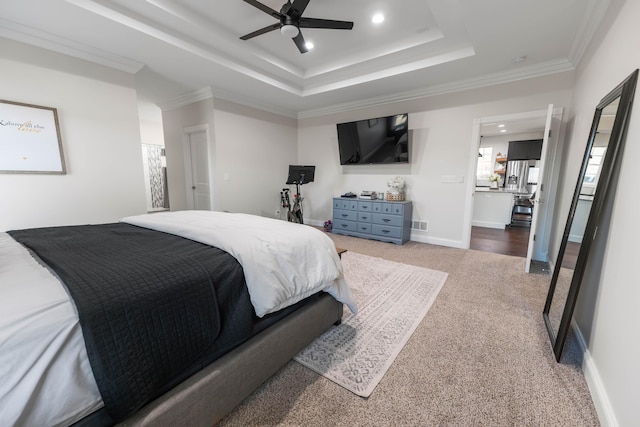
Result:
[{"x": 289, "y": 31}]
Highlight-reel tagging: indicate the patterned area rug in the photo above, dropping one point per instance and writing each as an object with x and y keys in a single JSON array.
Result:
[{"x": 392, "y": 300}]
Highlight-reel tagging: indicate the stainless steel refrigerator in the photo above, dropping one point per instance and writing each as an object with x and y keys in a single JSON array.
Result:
[{"x": 522, "y": 176}]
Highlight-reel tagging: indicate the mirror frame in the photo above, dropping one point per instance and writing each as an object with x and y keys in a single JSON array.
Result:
[{"x": 625, "y": 91}]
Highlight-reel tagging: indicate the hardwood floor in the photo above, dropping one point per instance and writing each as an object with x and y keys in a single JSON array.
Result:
[{"x": 507, "y": 241}]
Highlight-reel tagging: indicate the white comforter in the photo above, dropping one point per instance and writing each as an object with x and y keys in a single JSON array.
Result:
[{"x": 283, "y": 262}]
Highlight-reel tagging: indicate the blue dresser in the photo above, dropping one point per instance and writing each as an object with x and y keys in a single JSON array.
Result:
[{"x": 372, "y": 219}]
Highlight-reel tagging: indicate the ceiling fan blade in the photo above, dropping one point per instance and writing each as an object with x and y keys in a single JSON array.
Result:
[
  {"x": 325, "y": 23},
  {"x": 299, "y": 41},
  {"x": 264, "y": 8},
  {"x": 297, "y": 9},
  {"x": 261, "y": 31}
]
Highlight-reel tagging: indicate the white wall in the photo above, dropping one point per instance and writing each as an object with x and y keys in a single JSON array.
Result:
[
  {"x": 97, "y": 110},
  {"x": 253, "y": 148},
  {"x": 440, "y": 144},
  {"x": 150, "y": 118},
  {"x": 607, "y": 310}
]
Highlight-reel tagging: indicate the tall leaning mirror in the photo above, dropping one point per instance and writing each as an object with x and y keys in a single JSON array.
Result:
[{"x": 601, "y": 159}]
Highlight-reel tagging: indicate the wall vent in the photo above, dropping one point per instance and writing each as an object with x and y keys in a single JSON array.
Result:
[{"x": 420, "y": 225}]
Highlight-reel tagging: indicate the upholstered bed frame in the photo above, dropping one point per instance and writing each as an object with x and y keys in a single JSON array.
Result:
[
  {"x": 209, "y": 395},
  {"x": 161, "y": 330}
]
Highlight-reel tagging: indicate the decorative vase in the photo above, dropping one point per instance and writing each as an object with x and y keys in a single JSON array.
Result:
[{"x": 494, "y": 185}]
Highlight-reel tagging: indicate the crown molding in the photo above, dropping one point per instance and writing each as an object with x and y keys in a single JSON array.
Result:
[
  {"x": 211, "y": 93},
  {"x": 538, "y": 70},
  {"x": 596, "y": 11},
  {"x": 45, "y": 40},
  {"x": 252, "y": 103},
  {"x": 187, "y": 98}
]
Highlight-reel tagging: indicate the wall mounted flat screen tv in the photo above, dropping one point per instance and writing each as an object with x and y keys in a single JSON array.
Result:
[{"x": 374, "y": 141}]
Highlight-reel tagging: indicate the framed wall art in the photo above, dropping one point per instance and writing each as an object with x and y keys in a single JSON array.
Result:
[{"x": 30, "y": 139}]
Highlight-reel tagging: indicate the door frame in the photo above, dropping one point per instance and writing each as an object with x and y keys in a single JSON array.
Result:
[
  {"x": 188, "y": 172},
  {"x": 538, "y": 246},
  {"x": 547, "y": 207}
]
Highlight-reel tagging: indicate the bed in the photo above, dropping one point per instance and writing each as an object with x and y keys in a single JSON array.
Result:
[{"x": 220, "y": 303}]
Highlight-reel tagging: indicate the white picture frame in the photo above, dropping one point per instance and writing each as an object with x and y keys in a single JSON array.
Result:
[{"x": 30, "y": 139}]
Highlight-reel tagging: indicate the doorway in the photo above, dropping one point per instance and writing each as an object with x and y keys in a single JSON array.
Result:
[
  {"x": 548, "y": 123},
  {"x": 196, "y": 166}
]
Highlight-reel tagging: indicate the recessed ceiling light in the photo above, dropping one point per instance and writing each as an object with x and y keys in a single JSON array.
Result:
[
  {"x": 500, "y": 126},
  {"x": 503, "y": 130},
  {"x": 309, "y": 45},
  {"x": 377, "y": 18}
]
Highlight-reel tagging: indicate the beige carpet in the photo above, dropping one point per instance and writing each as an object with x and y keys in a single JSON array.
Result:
[
  {"x": 392, "y": 300},
  {"x": 481, "y": 356}
]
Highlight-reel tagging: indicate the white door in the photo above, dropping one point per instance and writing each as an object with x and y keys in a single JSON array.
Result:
[
  {"x": 537, "y": 236},
  {"x": 197, "y": 169}
]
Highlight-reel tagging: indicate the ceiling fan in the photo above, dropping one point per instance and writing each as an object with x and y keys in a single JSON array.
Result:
[{"x": 291, "y": 20}]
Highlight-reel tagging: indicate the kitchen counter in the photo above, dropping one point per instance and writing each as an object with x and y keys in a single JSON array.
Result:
[
  {"x": 500, "y": 190},
  {"x": 492, "y": 208}
]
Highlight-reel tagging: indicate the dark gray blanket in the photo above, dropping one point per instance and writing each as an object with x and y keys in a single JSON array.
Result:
[{"x": 154, "y": 308}]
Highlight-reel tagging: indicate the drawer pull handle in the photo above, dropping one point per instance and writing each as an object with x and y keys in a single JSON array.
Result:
[
  {"x": 365, "y": 218},
  {"x": 386, "y": 219},
  {"x": 365, "y": 207},
  {"x": 344, "y": 225},
  {"x": 385, "y": 231},
  {"x": 363, "y": 228},
  {"x": 345, "y": 215}
]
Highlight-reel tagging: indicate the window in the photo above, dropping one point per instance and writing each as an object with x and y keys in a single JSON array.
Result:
[
  {"x": 593, "y": 170},
  {"x": 485, "y": 163}
]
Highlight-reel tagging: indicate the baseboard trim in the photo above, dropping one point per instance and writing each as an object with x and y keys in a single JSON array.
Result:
[
  {"x": 606, "y": 415},
  {"x": 421, "y": 238},
  {"x": 487, "y": 224},
  {"x": 416, "y": 236}
]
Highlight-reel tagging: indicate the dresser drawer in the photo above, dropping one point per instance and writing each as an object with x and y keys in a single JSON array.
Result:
[
  {"x": 364, "y": 227},
  {"x": 340, "y": 224},
  {"x": 387, "y": 231},
  {"x": 383, "y": 219},
  {"x": 392, "y": 208},
  {"x": 345, "y": 215},
  {"x": 346, "y": 204},
  {"x": 364, "y": 206},
  {"x": 364, "y": 216}
]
